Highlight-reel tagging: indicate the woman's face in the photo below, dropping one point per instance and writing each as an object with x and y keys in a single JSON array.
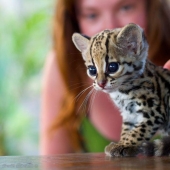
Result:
[{"x": 96, "y": 15}]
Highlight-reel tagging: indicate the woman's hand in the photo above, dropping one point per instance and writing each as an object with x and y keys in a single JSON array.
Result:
[{"x": 167, "y": 65}]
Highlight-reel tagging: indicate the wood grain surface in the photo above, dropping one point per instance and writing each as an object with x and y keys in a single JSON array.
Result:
[{"x": 85, "y": 161}]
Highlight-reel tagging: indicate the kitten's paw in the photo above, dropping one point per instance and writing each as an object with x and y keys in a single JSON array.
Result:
[
  {"x": 118, "y": 150},
  {"x": 108, "y": 149}
]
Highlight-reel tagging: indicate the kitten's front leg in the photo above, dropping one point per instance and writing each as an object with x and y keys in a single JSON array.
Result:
[
  {"x": 131, "y": 138},
  {"x": 120, "y": 149}
]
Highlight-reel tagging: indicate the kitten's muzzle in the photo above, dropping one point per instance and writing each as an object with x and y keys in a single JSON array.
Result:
[{"x": 102, "y": 83}]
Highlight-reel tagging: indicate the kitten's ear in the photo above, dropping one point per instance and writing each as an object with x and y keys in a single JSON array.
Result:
[
  {"x": 80, "y": 41},
  {"x": 130, "y": 39}
]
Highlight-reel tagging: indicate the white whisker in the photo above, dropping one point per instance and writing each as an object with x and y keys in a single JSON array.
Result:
[
  {"x": 86, "y": 99},
  {"x": 78, "y": 87},
  {"x": 92, "y": 99},
  {"x": 81, "y": 93}
]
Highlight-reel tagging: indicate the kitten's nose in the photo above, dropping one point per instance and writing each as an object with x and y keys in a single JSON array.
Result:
[{"x": 102, "y": 83}]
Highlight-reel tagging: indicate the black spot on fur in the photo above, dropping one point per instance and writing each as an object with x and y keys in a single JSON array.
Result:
[
  {"x": 127, "y": 91},
  {"x": 147, "y": 139},
  {"x": 150, "y": 102},
  {"x": 143, "y": 97},
  {"x": 152, "y": 133},
  {"x": 128, "y": 124},
  {"x": 128, "y": 63},
  {"x": 143, "y": 130},
  {"x": 158, "y": 109},
  {"x": 149, "y": 123},
  {"x": 133, "y": 143},
  {"x": 143, "y": 126},
  {"x": 146, "y": 115},
  {"x": 127, "y": 129},
  {"x": 150, "y": 73},
  {"x": 136, "y": 87},
  {"x": 139, "y": 104},
  {"x": 152, "y": 113},
  {"x": 139, "y": 139},
  {"x": 144, "y": 103},
  {"x": 141, "y": 135},
  {"x": 155, "y": 128},
  {"x": 130, "y": 107},
  {"x": 139, "y": 67},
  {"x": 158, "y": 120}
]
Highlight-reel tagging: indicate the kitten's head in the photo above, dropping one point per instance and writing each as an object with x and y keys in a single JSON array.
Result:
[{"x": 113, "y": 57}]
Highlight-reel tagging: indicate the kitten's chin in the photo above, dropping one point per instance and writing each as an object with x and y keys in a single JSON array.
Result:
[
  {"x": 109, "y": 90},
  {"x": 106, "y": 89}
]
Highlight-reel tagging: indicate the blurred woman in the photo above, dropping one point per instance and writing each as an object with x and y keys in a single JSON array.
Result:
[{"x": 64, "y": 127}]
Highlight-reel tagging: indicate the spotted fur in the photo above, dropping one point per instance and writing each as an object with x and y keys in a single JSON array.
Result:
[{"x": 117, "y": 62}]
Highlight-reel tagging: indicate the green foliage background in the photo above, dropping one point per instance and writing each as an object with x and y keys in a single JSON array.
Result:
[{"x": 25, "y": 40}]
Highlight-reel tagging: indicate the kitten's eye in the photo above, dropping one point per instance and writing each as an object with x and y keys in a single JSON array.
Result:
[
  {"x": 92, "y": 70},
  {"x": 113, "y": 67}
]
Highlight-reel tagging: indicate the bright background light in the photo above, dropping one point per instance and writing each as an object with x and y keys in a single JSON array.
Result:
[{"x": 25, "y": 40}]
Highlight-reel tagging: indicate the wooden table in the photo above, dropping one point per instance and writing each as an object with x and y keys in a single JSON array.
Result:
[{"x": 88, "y": 161}]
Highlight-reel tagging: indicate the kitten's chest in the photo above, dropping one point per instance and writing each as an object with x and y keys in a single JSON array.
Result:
[
  {"x": 128, "y": 107},
  {"x": 121, "y": 100}
]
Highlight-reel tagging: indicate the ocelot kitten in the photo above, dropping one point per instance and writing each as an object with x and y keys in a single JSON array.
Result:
[{"x": 117, "y": 62}]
